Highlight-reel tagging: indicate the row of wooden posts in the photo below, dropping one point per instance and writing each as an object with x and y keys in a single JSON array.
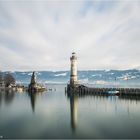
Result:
[{"x": 80, "y": 89}]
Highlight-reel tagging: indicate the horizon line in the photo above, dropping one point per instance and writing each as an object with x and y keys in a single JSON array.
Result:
[{"x": 69, "y": 70}]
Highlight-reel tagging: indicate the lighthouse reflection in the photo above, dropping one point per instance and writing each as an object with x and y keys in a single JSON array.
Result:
[{"x": 73, "y": 109}]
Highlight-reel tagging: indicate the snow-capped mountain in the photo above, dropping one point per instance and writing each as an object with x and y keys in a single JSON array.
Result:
[{"x": 103, "y": 77}]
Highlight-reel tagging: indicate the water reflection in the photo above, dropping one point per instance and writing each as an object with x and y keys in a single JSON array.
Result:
[
  {"x": 73, "y": 108},
  {"x": 131, "y": 98},
  {"x": 79, "y": 116},
  {"x": 113, "y": 104},
  {"x": 0, "y": 98},
  {"x": 33, "y": 100},
  {"x": 9, "y": 97}
]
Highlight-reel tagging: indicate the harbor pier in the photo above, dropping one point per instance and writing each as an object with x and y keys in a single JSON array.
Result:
[
  {"x": 81, "y": 89},
  {"x": 74, "y": 87}
]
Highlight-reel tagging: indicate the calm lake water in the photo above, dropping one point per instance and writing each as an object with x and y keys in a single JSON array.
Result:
[{"x": 53, "y": 114}]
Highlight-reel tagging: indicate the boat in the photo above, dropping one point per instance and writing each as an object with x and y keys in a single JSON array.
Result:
[{"x": 113, "y": 92}]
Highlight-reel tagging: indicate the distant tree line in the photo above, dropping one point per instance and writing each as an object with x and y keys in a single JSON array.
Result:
[{"x": 8, "y": 79}]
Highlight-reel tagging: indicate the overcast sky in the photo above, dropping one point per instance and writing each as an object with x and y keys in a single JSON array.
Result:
[{"x": 41, "y": 35}]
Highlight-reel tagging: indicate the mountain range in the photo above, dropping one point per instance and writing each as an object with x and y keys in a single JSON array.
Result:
[{"x": 98, "y": 77}]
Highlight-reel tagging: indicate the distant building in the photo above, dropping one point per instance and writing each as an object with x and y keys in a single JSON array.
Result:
[
  {"x": 33, "y": 80},
  {"x": 34, "y": 86}
]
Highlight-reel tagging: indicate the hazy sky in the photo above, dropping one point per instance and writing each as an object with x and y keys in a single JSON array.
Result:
[{"x": 40, "y": 35}]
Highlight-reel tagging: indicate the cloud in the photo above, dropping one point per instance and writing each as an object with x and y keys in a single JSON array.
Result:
[{"x": 40, "y": 35}]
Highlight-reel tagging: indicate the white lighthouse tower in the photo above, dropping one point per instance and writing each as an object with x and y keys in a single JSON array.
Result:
[{"x": 73, "y": 75}]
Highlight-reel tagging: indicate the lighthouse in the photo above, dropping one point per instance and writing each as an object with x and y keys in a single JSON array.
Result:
[{"x": 73, "y": 73}]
